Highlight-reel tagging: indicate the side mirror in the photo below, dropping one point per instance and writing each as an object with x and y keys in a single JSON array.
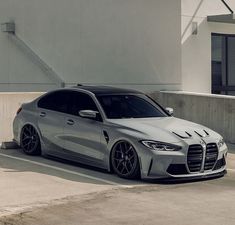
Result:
[
  {"x": 89, "y": 114},
  {"x": 170, "y": 111}
]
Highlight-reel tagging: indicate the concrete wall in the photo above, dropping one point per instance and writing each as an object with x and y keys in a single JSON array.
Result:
[
  {"x": 9, "y": 104},
  {"x": 214, "y": 111},
  {"x": 117, "y": 42},
  {"x": 196, "y": 49}
]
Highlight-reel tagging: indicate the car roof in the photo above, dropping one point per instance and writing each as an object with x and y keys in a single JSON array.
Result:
[{"x": 106, "y": 90}]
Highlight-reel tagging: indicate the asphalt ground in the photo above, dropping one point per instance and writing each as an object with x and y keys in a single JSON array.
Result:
[{"x": 40, "y": 191}]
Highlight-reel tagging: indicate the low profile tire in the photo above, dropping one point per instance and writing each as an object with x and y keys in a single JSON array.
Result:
[
  {"x": 30, "y": 141},
  {"x": 125, "y": 162}
]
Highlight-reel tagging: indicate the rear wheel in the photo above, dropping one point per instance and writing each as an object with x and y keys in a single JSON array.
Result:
[
  {"x": 125, "y": 161},
  {"x": 30, "y": 141}
]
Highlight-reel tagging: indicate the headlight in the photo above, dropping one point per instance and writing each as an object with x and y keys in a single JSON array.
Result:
[
  {"x": 160, "y": 146},
  {"x": 221, "y": 143}
]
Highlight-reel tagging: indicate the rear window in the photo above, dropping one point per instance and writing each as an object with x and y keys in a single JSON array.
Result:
[{"x": 55, "y": 101}]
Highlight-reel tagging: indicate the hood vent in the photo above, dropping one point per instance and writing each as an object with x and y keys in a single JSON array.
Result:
[
  {"x": 183, "y": 137},
  {"x": 187, "y": 135},
  {"x": 203, "y": 134}
]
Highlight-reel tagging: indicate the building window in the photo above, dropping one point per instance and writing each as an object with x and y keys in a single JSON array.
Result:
[{"x": 223, "y": 64}]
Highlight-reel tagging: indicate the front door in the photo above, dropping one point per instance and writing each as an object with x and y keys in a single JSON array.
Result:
[{"x": 82, "y": 136}]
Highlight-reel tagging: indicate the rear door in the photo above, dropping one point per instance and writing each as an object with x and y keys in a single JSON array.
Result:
[
  {"x": 51, "y": 117},
  {"x": 83, "y": 135}
]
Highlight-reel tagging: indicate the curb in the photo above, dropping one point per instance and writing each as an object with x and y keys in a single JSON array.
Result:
[{"x": 9, "y": 145}]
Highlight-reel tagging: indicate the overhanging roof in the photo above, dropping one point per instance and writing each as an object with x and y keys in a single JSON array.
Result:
[{"x": 227, "y": 18}]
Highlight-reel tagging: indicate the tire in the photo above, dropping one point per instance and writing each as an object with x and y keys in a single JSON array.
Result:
[
  {"x": 125, "y": 162},
  {"x": 30, "y": 141}
]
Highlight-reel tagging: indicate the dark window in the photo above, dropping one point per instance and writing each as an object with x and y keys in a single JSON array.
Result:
[
  {"x": 129, "y": 106},
  {"x": 223, "y": 64},
  {"x": 80, "y": 101},
  {"x": 56, "y": 101}
]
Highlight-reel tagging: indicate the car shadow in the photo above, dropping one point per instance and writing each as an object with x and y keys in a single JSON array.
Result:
[
  {"x": 167, "y": 181},
  {"x": 12, "y": 163},
  {"x": 16, "y": 161}
]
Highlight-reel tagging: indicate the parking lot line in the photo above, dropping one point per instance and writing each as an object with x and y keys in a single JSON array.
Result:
[
  {"x": 66, "y": 171},
  {"x": 233, "y": 170}
]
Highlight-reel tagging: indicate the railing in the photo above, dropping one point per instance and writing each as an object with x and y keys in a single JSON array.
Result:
[
  {"x": 9, "y": 28},
  {"x": 227, "y": 6}
]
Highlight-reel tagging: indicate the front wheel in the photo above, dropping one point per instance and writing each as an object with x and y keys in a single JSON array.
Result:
[
  {"x": 125, "y": 160},
  {"x": 30, "y": 141}
]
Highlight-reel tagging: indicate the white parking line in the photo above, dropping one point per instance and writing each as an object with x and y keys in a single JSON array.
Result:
[
  {"x": 66, "y": 171},
  {"x": 233, "y": 170}
]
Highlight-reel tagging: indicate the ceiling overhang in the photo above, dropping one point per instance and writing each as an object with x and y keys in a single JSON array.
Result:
[{"x": 226, "y": 18}]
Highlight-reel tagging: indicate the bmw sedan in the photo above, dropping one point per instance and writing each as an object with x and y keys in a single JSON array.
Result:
[{"x": 120, "y": 130}]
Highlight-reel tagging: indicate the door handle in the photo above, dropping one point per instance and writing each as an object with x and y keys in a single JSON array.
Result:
[
  {"x": 70, "y": 122},
  {"x": 42, "y": 114}
]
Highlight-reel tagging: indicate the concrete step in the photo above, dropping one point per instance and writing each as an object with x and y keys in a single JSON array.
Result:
[{"x": 9, "y": 145}]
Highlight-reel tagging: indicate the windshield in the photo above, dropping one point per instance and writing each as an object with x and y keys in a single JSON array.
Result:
[{"x": 129, "y": 106}]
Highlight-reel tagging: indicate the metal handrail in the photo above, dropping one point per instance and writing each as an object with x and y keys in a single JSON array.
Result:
[
  {"x": 227, "y": 6},
  {"x": 10, "y": 29},
  {"x": 40, "y": 62}
]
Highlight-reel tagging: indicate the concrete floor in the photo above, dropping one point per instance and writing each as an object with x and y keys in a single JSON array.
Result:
[{"x": 40, "y": 191}]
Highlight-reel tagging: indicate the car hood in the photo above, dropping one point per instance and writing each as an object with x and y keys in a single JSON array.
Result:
[{"x": 165, "y": 129}]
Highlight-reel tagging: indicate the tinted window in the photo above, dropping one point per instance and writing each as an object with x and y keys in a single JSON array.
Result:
[
  {"x": 80, "y": 101},
  {"x": 223, "y": 64},
  {"x": 129, "y": 106},
  {"x": 56, "y": 101}
]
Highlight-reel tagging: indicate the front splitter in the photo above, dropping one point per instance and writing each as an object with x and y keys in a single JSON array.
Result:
[{"x": 174, "y": 180}]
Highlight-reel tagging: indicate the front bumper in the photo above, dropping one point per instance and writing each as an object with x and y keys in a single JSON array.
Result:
[{"x": 163, "y": 165}]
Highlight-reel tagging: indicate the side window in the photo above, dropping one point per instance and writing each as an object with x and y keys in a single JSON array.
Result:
[
  {"x": 55, "y": 101},
  {"x": 81, "y": 101}
]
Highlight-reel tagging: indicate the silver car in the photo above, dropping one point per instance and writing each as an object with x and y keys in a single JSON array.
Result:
[{"x": 120, "y": 130}]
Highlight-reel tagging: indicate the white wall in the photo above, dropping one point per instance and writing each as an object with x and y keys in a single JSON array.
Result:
[
  {"x": 9, "y": 104},
  {"x": 196, "y": 49},
  {"x": 134, "y": 43}
]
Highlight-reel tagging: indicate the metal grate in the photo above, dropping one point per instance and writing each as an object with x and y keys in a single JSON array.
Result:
[
  {"x": 211, "y": 156},
  {"x": 195, "y": 158}
]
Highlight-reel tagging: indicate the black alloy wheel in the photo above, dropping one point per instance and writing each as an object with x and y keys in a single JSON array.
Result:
[
  {"x": 30, "y": 141},
  {"x": 125, "y": 160}
]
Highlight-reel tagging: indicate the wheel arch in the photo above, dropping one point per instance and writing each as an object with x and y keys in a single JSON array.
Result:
[
  {"x": 35, "y": 127},
  {"x": 110, "y": 169}
]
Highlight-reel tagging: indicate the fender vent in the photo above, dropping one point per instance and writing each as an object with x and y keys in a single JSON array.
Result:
[{"x": 106, "y": 136}]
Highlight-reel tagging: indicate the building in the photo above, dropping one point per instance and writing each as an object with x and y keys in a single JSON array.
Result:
[
  {"x": 204, "y": 59},
  {"x": 149, "y": 45}
]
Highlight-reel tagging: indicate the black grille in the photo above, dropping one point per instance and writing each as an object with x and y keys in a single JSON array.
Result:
[
  {"x": 211, "y": 156},
  {"x": 177, "y": 169},
  {"x": 195, "y": 157}
]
